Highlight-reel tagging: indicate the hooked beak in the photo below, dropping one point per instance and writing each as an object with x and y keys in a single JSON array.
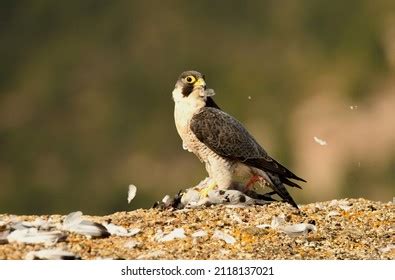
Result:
[{"x": 200, "y": 83}]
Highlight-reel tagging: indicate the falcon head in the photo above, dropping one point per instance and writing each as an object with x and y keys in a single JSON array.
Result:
[{"x": 191, "y": 86}]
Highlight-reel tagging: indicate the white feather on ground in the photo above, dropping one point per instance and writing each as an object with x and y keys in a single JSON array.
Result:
[
  {"x": 120, "y": 231},
  {"x": 38, "y": 223},
  {"x": 199, "y": 233},
  {"x": 131, "y": 244},
  {"x": 74, "y": 223},
  {"x": 51, "y": 254},
  {"x": 223, "y": 236},
  {"x": 342, "y": 204},
  {"x": 278, "y": 223},
  {"x": 33, "y": 236},
  {"x": 177, "y": 233},
  {"x": 297, "y": 229}
]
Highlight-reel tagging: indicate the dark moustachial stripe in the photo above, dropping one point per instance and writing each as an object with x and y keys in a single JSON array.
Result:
[{"x": 187, "y": 89}]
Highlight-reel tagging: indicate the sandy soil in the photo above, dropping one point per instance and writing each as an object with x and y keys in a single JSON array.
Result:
[{"x": 338, "y": 229}]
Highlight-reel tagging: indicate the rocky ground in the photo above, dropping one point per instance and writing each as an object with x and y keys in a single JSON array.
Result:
[{"x": 338, "y": 229}]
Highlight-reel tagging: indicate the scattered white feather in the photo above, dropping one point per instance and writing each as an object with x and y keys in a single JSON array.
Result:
[
  {"x": 51, "y": 254},
  {"x": 131, "y": 244},
  {"x": 33, "y": 236},
  {"x": 199, "y": 233},
  {"x": 264, "y": 226},
  {"x": 131, "y": 192},
  {"x": 89, "y": 228},
  {"x": 297, "y": 229},
  {"x": 73, "y": 218},
  {"x": 191, "y": 196},
  {"x": 353, "y": 107},
  {"x": 223, "y": 236},
  {"x": 320, "y": 141},
  {"x": 342, "y": 204},
  {"x": 177, "y": 233},
  {"x": 116, "y": 230},
  {"x": 333, "y": 213},
  {"x": 133, "y": 231},
  {"x": 74, "y": 223},
  {"x": 19, "y": 225},
  {"x": 166, "y": 199},
  {"x": 345, "y": 207},
  {"x": 37, "y": 223},
  {"x": 120, "y": 231},
  {"x": 209, "y": 92},
  {"x": 277, "y": 221},
  {"x": 333, "y": 203}
]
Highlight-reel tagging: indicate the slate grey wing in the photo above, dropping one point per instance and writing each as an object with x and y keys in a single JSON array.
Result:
[
  {"x": 224, "y": 135},
  {"x": 227, "y": 137}
]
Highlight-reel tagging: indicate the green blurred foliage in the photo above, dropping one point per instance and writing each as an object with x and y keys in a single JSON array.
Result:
[{"x": 85, "y": 88}]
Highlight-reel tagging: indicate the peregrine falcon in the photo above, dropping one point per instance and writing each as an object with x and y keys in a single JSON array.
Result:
[{"x": 222, "y": 143}]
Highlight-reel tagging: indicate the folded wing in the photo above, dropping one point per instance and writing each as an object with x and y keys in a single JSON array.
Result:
[{"x": 227, "y": 137}]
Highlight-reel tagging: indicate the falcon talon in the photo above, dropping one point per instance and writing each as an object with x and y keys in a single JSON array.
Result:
[
  {"x": 204, "y": 192},
  {"x": 222, "y": 142}
]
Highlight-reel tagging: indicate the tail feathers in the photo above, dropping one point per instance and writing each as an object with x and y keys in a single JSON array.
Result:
[
  {"x": 290, "y": 183},
  {"x": 273, "y": 166},
  {"x": 290, "y": 174},
  {"x": 280, "y": 189},
  {"x": 298, "y": 178}
]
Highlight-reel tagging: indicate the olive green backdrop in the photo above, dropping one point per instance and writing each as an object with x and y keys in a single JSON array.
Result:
[{"x": 86, "y": 108}]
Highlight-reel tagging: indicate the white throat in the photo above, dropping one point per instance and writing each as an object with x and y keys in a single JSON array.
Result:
[
  {"x": 185, "y": 108},
  {"x": 188, "y": 105}
]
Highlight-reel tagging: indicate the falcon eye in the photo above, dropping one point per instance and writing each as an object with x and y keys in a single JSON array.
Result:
[{"x": 190, "y": 79}]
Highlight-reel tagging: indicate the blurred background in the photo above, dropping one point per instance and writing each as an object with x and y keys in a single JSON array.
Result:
[{"x": 86, "y": 108}]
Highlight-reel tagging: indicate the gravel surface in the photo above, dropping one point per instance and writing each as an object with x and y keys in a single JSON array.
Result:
[{"x": 338, "y": 229}]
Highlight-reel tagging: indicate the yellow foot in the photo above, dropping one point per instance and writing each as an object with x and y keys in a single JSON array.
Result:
[{"x": 204, "y": 192}]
